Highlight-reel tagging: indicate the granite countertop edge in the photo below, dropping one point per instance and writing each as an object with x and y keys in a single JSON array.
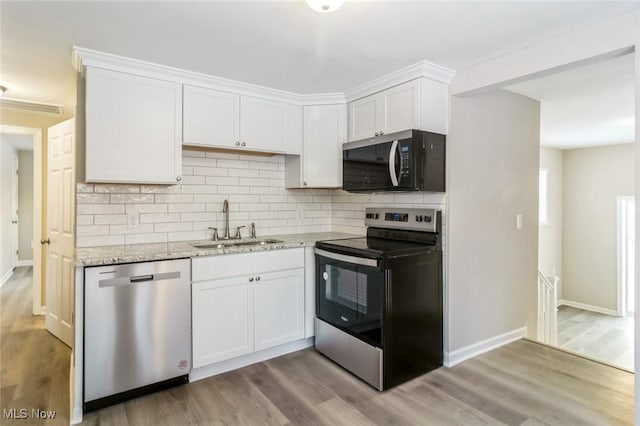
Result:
[{"x": 110, "y": 255}]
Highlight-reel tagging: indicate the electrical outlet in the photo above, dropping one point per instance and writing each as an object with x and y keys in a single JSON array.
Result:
[
  {"x": 299, "y": 212},
  {"x": 519, "y": 221},
  {"x": 133, "y": 220}
]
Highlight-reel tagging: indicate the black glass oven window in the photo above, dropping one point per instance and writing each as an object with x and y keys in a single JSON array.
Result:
[{"x": 350, "y": 297}]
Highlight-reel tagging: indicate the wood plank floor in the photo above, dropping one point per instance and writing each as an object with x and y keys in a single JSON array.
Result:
[
  {"x": 599, "y": 336},
  {"x": 519, "y": 384},
  {"x": 34, "y": 365}
]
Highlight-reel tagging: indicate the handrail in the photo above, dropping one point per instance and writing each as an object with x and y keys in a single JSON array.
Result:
[{"x": 546, "y": 281}]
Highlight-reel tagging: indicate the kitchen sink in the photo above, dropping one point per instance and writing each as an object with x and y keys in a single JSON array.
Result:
[{"x": 232, "y": 243}]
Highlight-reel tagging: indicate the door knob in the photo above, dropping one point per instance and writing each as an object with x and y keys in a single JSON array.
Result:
[{"x": 47, "y": 241}]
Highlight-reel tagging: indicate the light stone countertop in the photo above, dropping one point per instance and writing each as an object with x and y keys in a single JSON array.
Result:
[{"x": 109, "y": 255}]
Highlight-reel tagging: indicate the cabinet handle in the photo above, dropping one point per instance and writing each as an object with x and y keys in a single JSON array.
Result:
[
  {"x": 179, "y": 178},
  {"x": 244, "y": 144},
  {"x": 258, "y": 278},
  {"x": 237, "y": 143},
  {"x": 250, "y": 279}
]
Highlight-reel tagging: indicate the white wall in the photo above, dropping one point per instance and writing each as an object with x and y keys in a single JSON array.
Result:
[
  {"x": 593, "y": 178},
  {"x": 493, "y": 152},
  {"x": 550, "y": 235},
  {"x": 25, "y": 205},
  {"x": 6, "y": 154}
]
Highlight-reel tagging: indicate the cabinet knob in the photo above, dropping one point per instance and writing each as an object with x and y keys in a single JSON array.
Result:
[
  {"x": 179, "y": 178},
  {"x": 237, "y": 143},
  {"x": 381, "y": 133},
  {"x": 377, "y": 133},
  {"x": 257, "y": 278},
  {"x": 244, "y": 144},
  {"x": 305, "y": 183},
  {"x": 250, "y": 279}
]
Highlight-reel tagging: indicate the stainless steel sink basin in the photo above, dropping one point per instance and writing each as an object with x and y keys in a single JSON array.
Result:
[{"x": 231, "y": 243}]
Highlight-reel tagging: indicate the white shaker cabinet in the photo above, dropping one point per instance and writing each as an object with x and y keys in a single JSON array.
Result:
[
  {"x": 133, "y": 128},
  {"x": 242, "y": 303},
  {"x": 218, "y": 119},
  {"x": 211, "y": 117},
  {"x": 320, "y": 164},
  {"x": 222, "y": 320},
  {"x": 417, "y": 104}
]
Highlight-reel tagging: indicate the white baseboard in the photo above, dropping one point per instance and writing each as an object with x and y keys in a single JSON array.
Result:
[
  {"x": 463, "y": 354},
  {"x": 6, "y": 277},
  {"x": 586, "y": 307},
  {"x": 76, "y": 417},
  {"x": 24, "y": 263},
  {"x": 243, "y": 361}
]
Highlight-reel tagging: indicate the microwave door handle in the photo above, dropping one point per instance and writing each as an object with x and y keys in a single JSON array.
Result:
[{"x": 392, "y": 163}]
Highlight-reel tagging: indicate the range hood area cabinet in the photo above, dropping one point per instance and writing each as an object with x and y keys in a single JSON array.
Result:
[
  {"x": 421, "y": 104},
  {"x": 218, "y": 119},
  {"x": 133, "y": 128},
  {"x": 320, "y": 162}
]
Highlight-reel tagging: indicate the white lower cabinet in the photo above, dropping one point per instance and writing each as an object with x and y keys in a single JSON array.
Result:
[{"x": 262, "y": 307}]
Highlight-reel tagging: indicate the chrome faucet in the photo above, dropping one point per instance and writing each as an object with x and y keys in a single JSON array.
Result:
[{"x": 225, "y": 210}]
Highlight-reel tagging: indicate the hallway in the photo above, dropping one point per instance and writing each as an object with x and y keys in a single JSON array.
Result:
[{"x": 34, "y": 364}]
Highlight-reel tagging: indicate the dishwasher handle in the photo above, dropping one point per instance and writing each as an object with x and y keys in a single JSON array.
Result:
[{"x": 123, "y": 281}]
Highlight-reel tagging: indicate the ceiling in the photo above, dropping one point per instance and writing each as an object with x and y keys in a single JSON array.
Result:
[
  {"x": 20, "y": 142},
  {"x": 592, "y": 105},
  {"x": 279, "y": 44}
]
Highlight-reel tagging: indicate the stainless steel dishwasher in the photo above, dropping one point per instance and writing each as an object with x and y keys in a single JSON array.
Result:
[{"x": 137, "y": 330}]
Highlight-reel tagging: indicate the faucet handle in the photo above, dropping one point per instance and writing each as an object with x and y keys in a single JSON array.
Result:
[
  {"x": 253, "y": 230},
  {"x": 215, "y": 233},
  {"x": 238, "y": 231}
]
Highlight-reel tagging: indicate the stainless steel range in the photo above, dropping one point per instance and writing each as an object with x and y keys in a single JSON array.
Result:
[{"x": 379, "y": 298}]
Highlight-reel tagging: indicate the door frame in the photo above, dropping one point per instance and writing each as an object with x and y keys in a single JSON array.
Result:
[
  {"x": 38, "y": 209},
  {"x": 15, "y": 208},
  {"x": 621, "y": 252}
]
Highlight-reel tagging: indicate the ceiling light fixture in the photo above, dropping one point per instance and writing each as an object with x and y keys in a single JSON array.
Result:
[
  {"x": 325, "y": 6},
  {"x": 2, "y": 90}
]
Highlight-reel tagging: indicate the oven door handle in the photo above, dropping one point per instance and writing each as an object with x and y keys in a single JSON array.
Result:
[{"x": 348, "y": 259}]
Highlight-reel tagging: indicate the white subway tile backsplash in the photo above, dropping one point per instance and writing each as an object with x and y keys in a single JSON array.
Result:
[{"x": 114, "y": 214}]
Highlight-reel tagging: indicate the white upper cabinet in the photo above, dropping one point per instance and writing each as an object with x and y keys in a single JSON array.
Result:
[
  {"x": 211, "y": 117},
  {"x": 320, "y": 163},
  {"x": 220, "y": 119},
  {"x": 133, "y": 128},
  {"x": 416, "y": 104}
]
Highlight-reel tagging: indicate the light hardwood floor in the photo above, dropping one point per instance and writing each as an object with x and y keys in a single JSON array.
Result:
[
  {"x": 523, "y": 383},
  {"x": 599, "y": 336},
  {"x": 34, "y": 365}
]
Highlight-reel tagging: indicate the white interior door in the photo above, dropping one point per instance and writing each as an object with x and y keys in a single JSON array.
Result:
[
  {"x": 14, "y": 209},
  {"x": 60, "y": 230}
]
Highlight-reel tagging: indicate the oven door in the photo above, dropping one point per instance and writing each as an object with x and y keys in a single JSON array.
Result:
[{"x": 350, "y": 294}]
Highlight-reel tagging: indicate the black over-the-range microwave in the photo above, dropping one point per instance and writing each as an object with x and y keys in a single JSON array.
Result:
[{"x": 411, "y": 160}]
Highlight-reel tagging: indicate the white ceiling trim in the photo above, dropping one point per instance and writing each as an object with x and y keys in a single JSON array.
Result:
[
  {"x": 421, "y": 69},
  {"x": 83, "y": 57}
]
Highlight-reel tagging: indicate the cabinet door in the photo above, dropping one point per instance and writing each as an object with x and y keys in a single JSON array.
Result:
[
  {"x": 133, "y": 128},
  {"x": 400, "y": 109},
  {"x": 222, "y": 320},
  {"x": 363, "y": 114},
  {"x": 279, "y": 307},
  {"x": 211, "y": 117},
  {"x": 262, "y": 124},
  {"x": 324, "y": 135}
]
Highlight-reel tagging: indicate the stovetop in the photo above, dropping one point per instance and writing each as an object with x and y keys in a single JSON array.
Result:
[{"x": 373, "y": 247}]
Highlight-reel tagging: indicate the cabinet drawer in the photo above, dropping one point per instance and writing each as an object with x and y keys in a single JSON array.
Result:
[{"x": 230, "y": 265}]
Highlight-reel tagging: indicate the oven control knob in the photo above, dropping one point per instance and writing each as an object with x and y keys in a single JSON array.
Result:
[
  {"x": 427, "y": 219},
  {"x": 376, "y": 216},
  {"x": 325, "y": 276},
  {"x": 418, "y": 218}
]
